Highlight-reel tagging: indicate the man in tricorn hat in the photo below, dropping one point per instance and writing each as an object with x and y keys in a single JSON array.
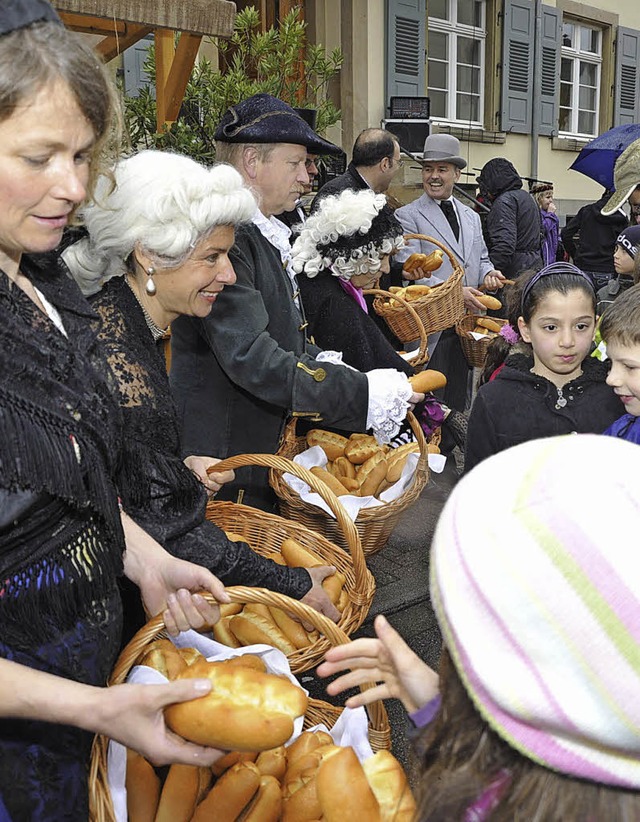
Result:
[
  {"x": 238, "y": 374},
  {"x": 439, "y": 215}
]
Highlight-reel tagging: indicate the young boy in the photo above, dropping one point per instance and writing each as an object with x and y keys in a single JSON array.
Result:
[
  {"x": 625, "y": 263},
  {"x": 620, "y": 330}
]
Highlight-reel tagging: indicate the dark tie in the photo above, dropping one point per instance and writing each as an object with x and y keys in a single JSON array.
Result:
[{"x": 450, "y": 213}]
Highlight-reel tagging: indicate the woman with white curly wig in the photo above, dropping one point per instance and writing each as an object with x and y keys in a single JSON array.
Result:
[
  {"x": 158, "y": 236},
  {"x": 343, "y": 248}
]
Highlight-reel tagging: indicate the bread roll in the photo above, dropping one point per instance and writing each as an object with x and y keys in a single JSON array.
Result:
[
  {"x": 298, "y": 557},
  {"x": 300, "y": 798},
  {"x": 251, "y": 628},
  {"x": 236, "y": 537},
  {"x": 371, "y": 474},
  {"x": 343, "y": 601},
  {"x": 359, "y": 449},
  {"x": 190, "y": 655},
  {"x": 290, "y": 627},
  {"x": 224, "y": 763},
  {"x": 352, "y": 485},
  {"x": 228, "y": 609},
  {"x": 273, "y": 762},
  {"x": 245, "y": 710},
  {"x": 307, "y": 741},
  {"x": 489, "y": 323},
  {"x": 390, "y": 787},
  {"x": 329, "y": 480},
  {"x": 414, "y": 292},
  {"x": 343, "y": 790},
  {"x": 488, "y": 301},
  {"x": 266, "y": 803},
  {"x": 427, "y": 380},
  {"x": 427, "y": 262},
  {"x": 229, "y": 796},
  {"x": 397, "y": 458},
  {"x": 143, "y": 789},
  {"x": 333, "y": 586},
  {"x": 332, "y": 444},
  {"x": 247, "y": 661},
  {"x": 222, "y": 633},
  {"x": 163, "y": 655},
  {"x": 179, "y": 794},
  {"x": 345, "y": 468}
]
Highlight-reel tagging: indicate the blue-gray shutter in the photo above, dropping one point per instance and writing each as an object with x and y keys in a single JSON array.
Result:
[
  {"x": 135, "y": 77},
  {"x": 517, "y": 66},
  {"x": 550, "y": 70},
  {"x": 406, "y": 48},
  {"x": 627, "y": 84}
]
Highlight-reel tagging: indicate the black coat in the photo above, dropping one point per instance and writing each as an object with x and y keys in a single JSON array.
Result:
[
  {"x": 351, "y": 179},
  {"x": 513, "y": 225},
  {"x": 519, "y": 406},
  {"x": 238, "y": 374},
  {"x": 596, "y": 237},
  {"x": 338, "y": 323}
]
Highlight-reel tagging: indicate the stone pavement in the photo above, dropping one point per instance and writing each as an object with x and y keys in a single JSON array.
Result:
[{"x": 401, "y": 571}]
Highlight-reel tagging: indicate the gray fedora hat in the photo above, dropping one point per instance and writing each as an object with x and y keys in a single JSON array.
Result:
[{"x": 443, "y": 148}]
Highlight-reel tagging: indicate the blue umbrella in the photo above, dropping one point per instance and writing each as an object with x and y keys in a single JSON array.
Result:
[{"x": 597, "y": 159}]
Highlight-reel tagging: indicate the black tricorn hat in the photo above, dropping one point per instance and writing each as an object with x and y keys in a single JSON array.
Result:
[
  {"x": 265, "y": 119},
  {"x": 17, "y": 14}
]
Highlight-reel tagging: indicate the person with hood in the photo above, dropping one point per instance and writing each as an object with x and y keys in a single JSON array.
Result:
[
  {"x": 513, "y": 227},
  {"x": 590, "y": 239}
]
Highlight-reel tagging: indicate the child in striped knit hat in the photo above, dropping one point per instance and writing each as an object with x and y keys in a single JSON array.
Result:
[{"x": 535, "y": 714}]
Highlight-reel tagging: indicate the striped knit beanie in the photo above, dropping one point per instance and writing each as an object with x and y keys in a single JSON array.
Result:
[{"x": 538, "y": 599}]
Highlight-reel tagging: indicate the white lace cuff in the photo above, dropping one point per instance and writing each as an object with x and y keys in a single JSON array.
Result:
[
  {"x": 389, "y": 393},
  {"x": 333, "y": 357}
]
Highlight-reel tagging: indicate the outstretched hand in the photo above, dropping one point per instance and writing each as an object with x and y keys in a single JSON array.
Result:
[{"x": 387, "y": 660}]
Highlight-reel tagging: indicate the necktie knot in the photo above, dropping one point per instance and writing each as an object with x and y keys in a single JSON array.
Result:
[{"x": 450, "y": 213}]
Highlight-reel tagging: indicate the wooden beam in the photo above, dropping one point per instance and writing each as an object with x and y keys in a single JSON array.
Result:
[
  {"x": 92, "y": 25},
  {"x": 165, "y": 49},
  {"x": 205, "y": 17},
  {"x": 181, "y": 67},
  {"x": 114, "y": 45}
]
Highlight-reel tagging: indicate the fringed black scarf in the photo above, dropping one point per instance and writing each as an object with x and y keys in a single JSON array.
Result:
[{"x": 59, "y": 426}]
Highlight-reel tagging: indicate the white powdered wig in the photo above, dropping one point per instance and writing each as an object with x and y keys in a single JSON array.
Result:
[
  {"x": 163, "y": 202},
  {"x": 348, "y": 235}
]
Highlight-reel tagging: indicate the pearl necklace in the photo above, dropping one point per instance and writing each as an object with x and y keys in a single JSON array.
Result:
[{"x": 156, "y": 332}]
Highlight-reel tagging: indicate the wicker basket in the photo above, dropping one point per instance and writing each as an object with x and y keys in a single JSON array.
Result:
[
  {"x": 101, "y": 807},
  {"x": 266, "y": 533},
  {"x": 374, "y": 524},
  {"x": 474, "y": 350},
  {"x": 441, "y": 308},
  {"x": 421, "y": 356}
]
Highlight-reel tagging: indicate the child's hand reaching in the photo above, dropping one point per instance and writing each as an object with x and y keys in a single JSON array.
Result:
[{"x": 387, "y": 660}]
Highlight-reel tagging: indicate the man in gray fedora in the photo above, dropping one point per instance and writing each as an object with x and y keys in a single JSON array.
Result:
[
  {"x": 439, "y": 215},
  {"x": 241, "y": 372}
]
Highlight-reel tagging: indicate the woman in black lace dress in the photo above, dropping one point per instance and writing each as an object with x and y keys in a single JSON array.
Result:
[
  {"x": 157, "y": 248},
  {"x": 63, "y": 539}
]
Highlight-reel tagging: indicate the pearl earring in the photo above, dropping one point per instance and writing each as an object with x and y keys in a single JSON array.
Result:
[{"x": 150, "y": 286}]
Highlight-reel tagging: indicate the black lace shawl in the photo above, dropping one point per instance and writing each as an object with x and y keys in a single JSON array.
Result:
[
  {"x": 156, "y": 487},
  {"x": 61, "y": 541}
]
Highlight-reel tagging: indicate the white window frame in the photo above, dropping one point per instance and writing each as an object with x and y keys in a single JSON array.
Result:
[
  {"x": 577, "y": 55},
  {"x": 453, "y": 30}
]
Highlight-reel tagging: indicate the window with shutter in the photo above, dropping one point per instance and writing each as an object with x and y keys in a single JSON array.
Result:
[
  {"x": 550, "y": 70},
  {"x": 627, "y": 82},
  {"x": 133, "y": 59},
  {"x": 517, "y": 65},
  {"x": 456, "y": 60},
  {"x": 406, "y": 45},
  {"x": 580, "y": 73}
]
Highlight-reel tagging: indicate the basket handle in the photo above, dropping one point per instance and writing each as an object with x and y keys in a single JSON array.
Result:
[
  {"x": 344, "y": 521},
  {"x": 244, "y": 594},
  {"x": 455, "y": 262},
  {"x": 420, "y": 354}
]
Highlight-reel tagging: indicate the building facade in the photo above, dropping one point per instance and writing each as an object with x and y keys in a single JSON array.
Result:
[{"x": 531, "y": 80}]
